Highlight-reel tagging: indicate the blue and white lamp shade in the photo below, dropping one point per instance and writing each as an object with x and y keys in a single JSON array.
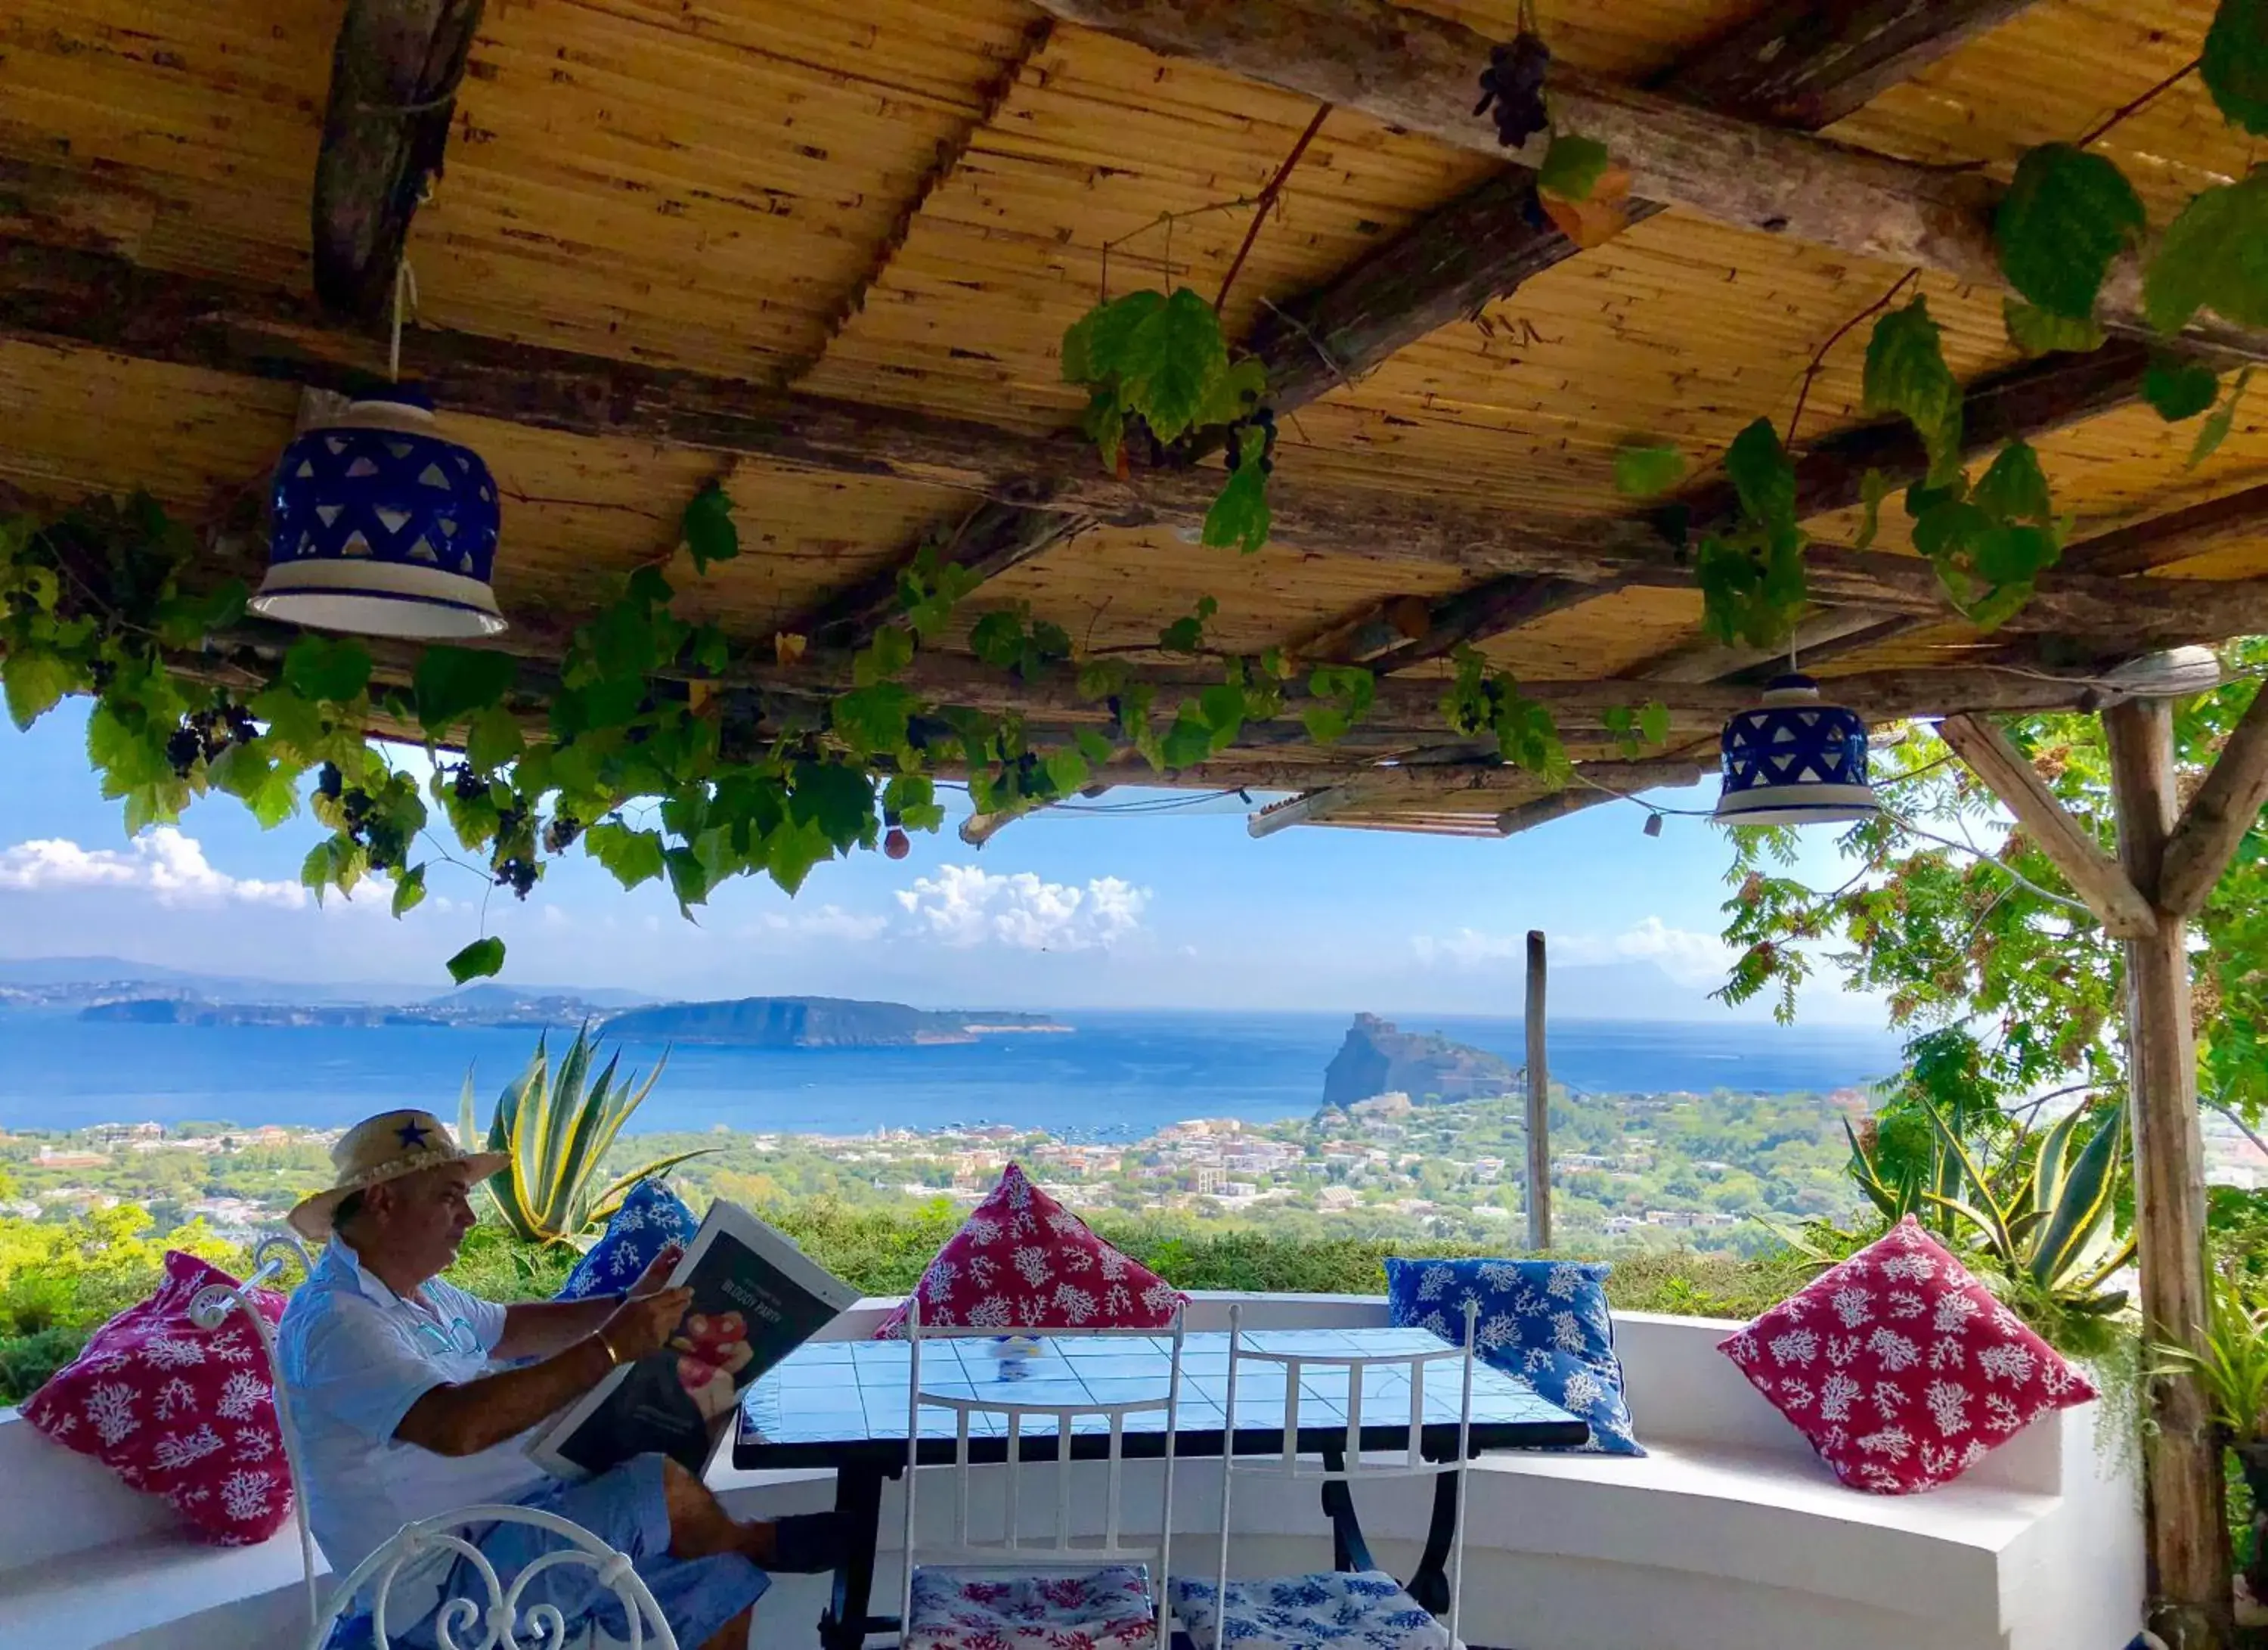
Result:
[
  {"x": 383, "y": 528},
  {"x": 1795, "y": 760}
]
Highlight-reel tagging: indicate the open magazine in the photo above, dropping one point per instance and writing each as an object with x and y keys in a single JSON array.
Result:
[{"x": 756, "y": 1298}]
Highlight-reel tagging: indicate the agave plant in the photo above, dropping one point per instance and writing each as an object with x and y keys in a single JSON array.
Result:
[{"x": 554, "y": 1128}]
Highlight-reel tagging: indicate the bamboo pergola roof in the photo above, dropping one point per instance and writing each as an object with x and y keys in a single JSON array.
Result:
[{"x": 827, "y": 255}]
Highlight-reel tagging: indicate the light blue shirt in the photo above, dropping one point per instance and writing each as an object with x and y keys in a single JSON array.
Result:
[{"x": 355, "y": 1357}]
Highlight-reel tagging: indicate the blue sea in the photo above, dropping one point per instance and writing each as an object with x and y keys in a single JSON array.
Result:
[{"x": 1116, "y": 1074}]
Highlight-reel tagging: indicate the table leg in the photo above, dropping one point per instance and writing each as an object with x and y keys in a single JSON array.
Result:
[
  {"x": 1429, "y": 1586},
  {"x": 1348, "y": 1552},
  {"x": 859, "y": 1498}
]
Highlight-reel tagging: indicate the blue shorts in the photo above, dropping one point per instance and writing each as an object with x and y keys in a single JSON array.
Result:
[{"x": 624, "y": 1508}]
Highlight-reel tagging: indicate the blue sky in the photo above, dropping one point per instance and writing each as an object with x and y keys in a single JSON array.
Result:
[{"x": 1088, "y": 909}]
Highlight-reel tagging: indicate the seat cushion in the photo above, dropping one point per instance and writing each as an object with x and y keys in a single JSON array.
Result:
[
  {"x": 1900, "y": 1367},
  {"x": 1023, "y": 1261},
  {"x": 179, "y": 1412},
  {"x": 649, "y": 1219},
  {"x": 1545, "y": 1322},
  {"x": 964, "y": 1607},
  {"x": 1368, "y": 1611}
]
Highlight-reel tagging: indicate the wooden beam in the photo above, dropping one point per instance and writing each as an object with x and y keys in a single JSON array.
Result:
[
  {"x": 2190, "y": 1582},
  {"x": 49, "y": 294},
  {"x": 1416, "y": 71},
  {"x": 394, "y": 72},
  {"x": 2094, "y": 875},
  {"x": 2017, "y": 403},
  {"x": 1477, "y": 787},
  {"x": 995, "y": 538},
  {"x": 1805, "y": 65},
  {"x": 2226, "y": 807},
  {"x": 1523, "y": 816}
]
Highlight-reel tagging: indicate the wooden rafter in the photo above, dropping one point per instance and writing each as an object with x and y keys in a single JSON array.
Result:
[
  {"x": 2032, "y": 399},
  {"x": 2097, "y": 878},
  {"x": 394, "y": 71},
  {"x": 51, "y": 294},
  {"x": 2226, "y": 807},
  {"x": 1415, "y": 71},
  {"x": 1464, "y": 788}
]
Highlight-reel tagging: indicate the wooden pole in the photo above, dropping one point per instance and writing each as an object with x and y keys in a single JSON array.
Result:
[
  {"x": 1539, "y": 1103},
  {"x": 2190, "y": 1582}
]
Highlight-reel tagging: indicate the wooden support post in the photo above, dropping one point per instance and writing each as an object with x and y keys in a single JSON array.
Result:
[
  {"x": 1539, "y": 1103},
  {"x": 2190, "y": 1582}
]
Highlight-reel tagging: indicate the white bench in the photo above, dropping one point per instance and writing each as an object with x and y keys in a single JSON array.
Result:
[{"x": 1730, "y": 1535}]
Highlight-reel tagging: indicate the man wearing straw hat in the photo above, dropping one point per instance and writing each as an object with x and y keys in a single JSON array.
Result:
[{"x": 399, "y": 1415}]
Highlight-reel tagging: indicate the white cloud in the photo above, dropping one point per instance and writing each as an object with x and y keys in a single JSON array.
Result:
[
  {"x": 171, "y": 867},
  {"x": 963, "y": 906},
  {"x": 828, "y": 922},
  {"x": 1688, "y": 957}
]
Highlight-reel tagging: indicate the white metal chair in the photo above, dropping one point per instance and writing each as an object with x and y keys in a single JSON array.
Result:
[
  {"x": 497, "y": 1623},
  {"x": 1366, "y": 1609},
  {"x": 1020, "y": 1593}
]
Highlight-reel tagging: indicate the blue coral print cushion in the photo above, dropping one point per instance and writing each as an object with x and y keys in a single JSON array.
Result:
[
  {"x": 1543, "y": 1321},
  {"x": 650, "y": 1219}
]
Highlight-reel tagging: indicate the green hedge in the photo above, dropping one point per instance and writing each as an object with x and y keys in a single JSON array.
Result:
[{"x": 58, "y": 1283}]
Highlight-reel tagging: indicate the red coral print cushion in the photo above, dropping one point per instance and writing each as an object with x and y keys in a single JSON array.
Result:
[
  {"x": 1023, "y": 1261},
  {"x": 182, "y": 1412},
  {"x": 1901, "y": 1368}
]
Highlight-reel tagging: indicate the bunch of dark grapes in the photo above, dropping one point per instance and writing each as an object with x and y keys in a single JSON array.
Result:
[
  {"x": 561, "y": 833},
  {"x": 517, "y": 873},
  {"x": 330, "y": 782},
  {"x": 470, "y": 786},
  {"x": 204, "y": 735},
  {"x": 1265, "y": 421},
  {"x": 1514, "y": 82},
  {"x": 514, "y": 860}
]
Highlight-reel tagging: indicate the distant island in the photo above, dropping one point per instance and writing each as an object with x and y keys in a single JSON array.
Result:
[
  {"x": 755, "y": 1022},
  {"x": 816, "y": 1022},
  {"x": 1379, "y": 1059}
]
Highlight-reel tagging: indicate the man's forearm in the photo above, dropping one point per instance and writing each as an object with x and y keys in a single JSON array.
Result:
[
  {"x": 537, "y": 1328},
  {"x": 463, "y": 1420}
]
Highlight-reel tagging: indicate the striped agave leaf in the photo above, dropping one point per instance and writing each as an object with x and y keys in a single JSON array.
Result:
[
  {"x": 554, "y": 1128},
  {"x": 2065, "y": 1250}
]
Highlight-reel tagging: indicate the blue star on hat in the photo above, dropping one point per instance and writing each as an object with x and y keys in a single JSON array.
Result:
[{"x": 412, "y": 1133}]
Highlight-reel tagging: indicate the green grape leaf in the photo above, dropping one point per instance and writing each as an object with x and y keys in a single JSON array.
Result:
[
  {"x": 1186, "y": 634},
  {"x": 270, "y": 788},
  {"x": 495, "y": 739},
  {"x": 887, "y": 655},
  {"x": 35, "y": 683},
  {"x": 1094, "y": 747},
  {"x": 453, "y": 682},
  {"x": 1104, "y": 423},
  {"x": 1572, "y": 166},
  {"x": 1094, "y": 347},
  {"x": 2067, "y": 214},
  {"x": 2015, "y": 488},
  {"x": 2216, "y": 428},
  {"x": 1906, "y": 373},
  {"x": 837, "y": 797},
  {"x": 872, "y": 720},
  {"x": 409, "y": 891},
  {"x": 1188, "y": 742},
  {"x": 2037, "y": 332},
  {"x": 2235, "y": 63},
  {"x": 185, "y": 621},
  {"x": 1235, "y": 392},
  {"x": 997, "y": 638},
  {"x": 317, "y": 668},
  {"x": 1645, "y": 470},
  {"x": 1066, "y": 770},
  {"x": 1653, "y": 723},
  {"x": 1762, "y": 475},
  {"x": 2215, "y": 256},
  {"x": 709, "y": 534},
  {"x": 2179, "y": 389},
  {"x": 1222, "y": 706},
  {"x": 1172, "y": 361},
  {"x": 632, "y": 857},
  {"x": 1874, "y": 488},
  {"x": 478, "y": 960},
  {"x": 1240, "y": 517}
]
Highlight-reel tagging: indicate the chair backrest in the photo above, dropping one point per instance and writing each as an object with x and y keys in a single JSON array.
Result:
[
  {"x": 1375, "y": 1379},
  {"x": 972, "y": 1409},
  {"x": 209, "y": 1311},
  {"x": 496, "y": 1623}
]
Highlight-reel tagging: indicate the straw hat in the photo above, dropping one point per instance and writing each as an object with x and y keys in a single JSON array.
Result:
[{"x": 382, "y": 1148}]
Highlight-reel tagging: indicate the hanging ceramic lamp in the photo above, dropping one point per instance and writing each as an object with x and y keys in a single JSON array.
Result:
[
  {"x": 1796, "y": 760},
  {"x": 383, "y": 528}
]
